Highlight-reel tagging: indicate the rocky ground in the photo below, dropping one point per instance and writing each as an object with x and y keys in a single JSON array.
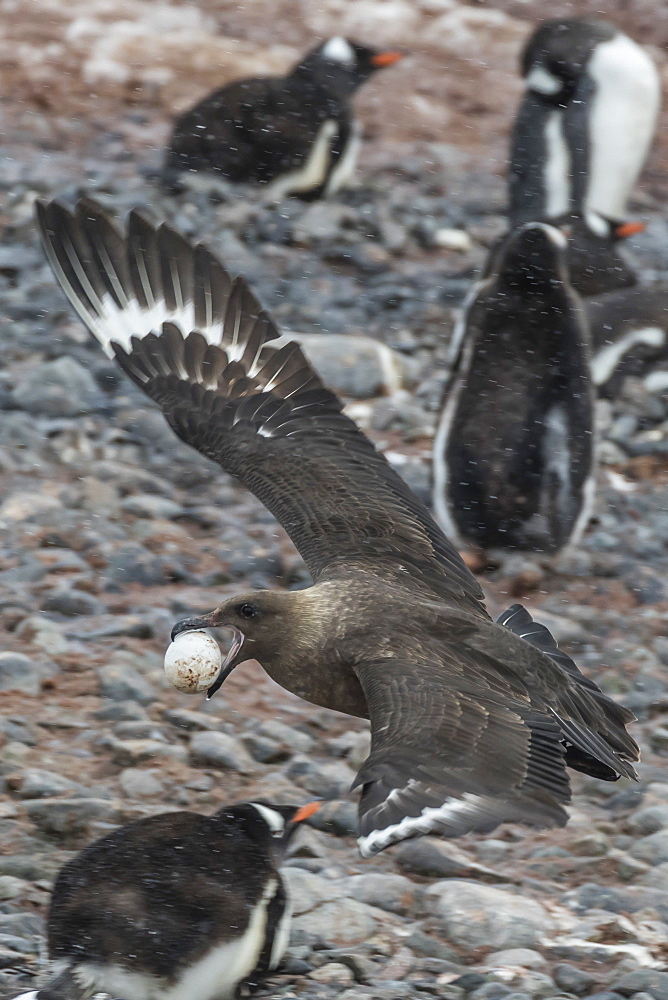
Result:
[{"x": 110, "y": 529}]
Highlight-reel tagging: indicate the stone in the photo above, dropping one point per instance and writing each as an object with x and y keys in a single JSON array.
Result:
[
  {"x": 11, "y": 887},
  {"x": 652, "y": 849},
  {"x": 219, "y": 750},
  {"x": 572, "y": 979},
  {"x": 490, "y": 991},
  {"x": 45, "y": 634},
  {"x": 33, "y": 783},
  {"x": 525, "y": 958},
  {"x": 339, "y": 922},
  {"x": 649, "y": 820},
  {"x": 192, "y": 721},
  {"x": 360, "y": 367},
  {"x": 322, "y": 222},
  {"x": 430, "y": 857},
  {"x": 656, "y": 876},
  {"x": 429, "y": 947},
  {"x": 149, "y": 505},
  {"x": 128, "y": 753},
  {"x": 60, "y": 388},
  {"x": 326, "y": 779},
  {"x": 333, "y": 972},
  {"x": 19, "y": 673},
  {"x": 140, "y": 784},
  {"x": 64, "y": 818},
  {"x": 388, "y": 892},
  {"x": 473, "y": 915},
  {"x": 121, "y": 682},
  {"x": 132, "y": 563},
  {"x": 650, "y": 981},
  {"x": 288, "y": 736},
  {"x": 70, "y": 602},
  {"x": 453, "y": 239},
  {"x": 308, "y": 890}
]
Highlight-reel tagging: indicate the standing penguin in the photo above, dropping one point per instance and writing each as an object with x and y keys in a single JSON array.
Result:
[
  {"x": 173, "y": 907},
  {"x": 514, "y": 449},
  {"x": 585, "y": 123},
  {"x": 295, "y": 133}
]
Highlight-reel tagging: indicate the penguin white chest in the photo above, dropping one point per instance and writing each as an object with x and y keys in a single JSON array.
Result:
[{"x": 622, "y": 120}]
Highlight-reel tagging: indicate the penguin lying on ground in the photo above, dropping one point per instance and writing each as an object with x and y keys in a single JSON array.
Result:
[
  {"x": 174, "y": 907},
  {"x": 514, "y": 450},
  {"x": 629, "y": 336},
  {"x": 295, "y": 133}
]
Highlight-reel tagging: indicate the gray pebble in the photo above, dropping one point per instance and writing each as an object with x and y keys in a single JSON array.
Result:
[
  {"x": 388, "y": 892},
  {"x": 19, "y": 673},
  {"x": 151, "y": 506},
  {"x": 64, "y": 818},
  {"x": 140, "y": 784},
  {"x": 219, "y": 750},
  {"x": 60, "y": 388},
  {"x": 573, "y": 980},
  {"x": 648, "y": 820},
  {"x": 330, "y": 779},
  {"x": 650, "y": 981},
  {"x": 123, "y": 683},
  {"x": 128, "y": 753},
  {"x": 132, "y": 563},
  {"x": 70, "y": 602},
  {"x": 652, "y": 849},
  {"x": 473, "y": 915},
  {"x": 33, "y": 783}
]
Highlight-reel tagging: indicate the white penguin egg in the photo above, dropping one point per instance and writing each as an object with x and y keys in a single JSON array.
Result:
[{"x": 193, "y": 661}]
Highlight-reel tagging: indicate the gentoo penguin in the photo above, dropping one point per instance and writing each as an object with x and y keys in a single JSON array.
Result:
[
  {"x": 629, "y": 336},
  {"x": 585, "y": 123},
  {"x": 472, "y": 722},
  {"x": 173, "y": 907},
  {"x": 514, "y": 448},
  {"x": 295, "y": 133}
]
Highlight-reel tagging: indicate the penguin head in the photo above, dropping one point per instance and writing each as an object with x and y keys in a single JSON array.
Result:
[
  {"x": 531, "y": 258},
  {"x": 267, "y": 824},
  {"x": 342, "y": 65},
  {"x": 556, "y": 55}
]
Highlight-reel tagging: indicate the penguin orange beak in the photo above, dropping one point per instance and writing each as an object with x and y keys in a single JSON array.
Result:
[
  {"x": 306, "y": 811},
  {"x": 388, "y": 58},
  {"x": 629, "y": 229}
]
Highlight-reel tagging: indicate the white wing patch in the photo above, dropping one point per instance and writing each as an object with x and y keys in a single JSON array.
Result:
[{"x": 429, "y": 820}]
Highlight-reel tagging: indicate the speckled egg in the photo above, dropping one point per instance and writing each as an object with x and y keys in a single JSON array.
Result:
[{"x": 193, "y": 661}]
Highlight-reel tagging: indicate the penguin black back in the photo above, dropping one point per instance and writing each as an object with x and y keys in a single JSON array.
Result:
[
  {"x": 178, "y": 904},
  {"x": 513, "y": 454}
]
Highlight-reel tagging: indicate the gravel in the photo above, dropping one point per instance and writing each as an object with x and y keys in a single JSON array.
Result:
[{"x": 111, "y": 529}]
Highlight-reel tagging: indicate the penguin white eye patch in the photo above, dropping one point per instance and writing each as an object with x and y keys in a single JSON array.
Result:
[{"x": 273, "y": 819}]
